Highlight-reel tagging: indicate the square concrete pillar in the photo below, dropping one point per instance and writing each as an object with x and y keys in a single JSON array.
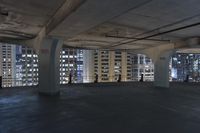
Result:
[
  {"x": 161, "y": 71},
  {"x": 49, "y": 64}
]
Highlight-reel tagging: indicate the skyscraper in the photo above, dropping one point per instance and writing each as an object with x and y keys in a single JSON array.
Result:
[
  {"x": 71, "y": 62},
  {"x": 7, "y": 64},
  {"x": 88, "y": 66},
  {"x": 142, "y": 65},
  {"x": 26, "y": 66},
  {"x": 184, "y": 64},
  {"x": 108, "y": 65}
]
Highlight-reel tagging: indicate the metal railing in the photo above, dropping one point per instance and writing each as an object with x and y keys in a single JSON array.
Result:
[
  {"x": 19, "y": 82},
  {"x": 15, "y": 82},
  {"x": 92, "y": 79}
]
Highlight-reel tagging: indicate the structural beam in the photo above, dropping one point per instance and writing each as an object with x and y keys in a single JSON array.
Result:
[{"x": 62, "y": 13}]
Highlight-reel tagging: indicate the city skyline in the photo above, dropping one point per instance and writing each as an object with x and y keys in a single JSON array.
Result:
[{"x": 19, "y": 66}]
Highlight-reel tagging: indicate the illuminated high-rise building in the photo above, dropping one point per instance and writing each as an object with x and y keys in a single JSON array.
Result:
[
  {"x": 71, "y": 63},
  {"x": 26, "y": 66},
  {"x": 108, "y": 65},
  {"x": 7, "y": 64},
  {"x": 184, "y": 64},
  {"x": 142, "y": 65}
]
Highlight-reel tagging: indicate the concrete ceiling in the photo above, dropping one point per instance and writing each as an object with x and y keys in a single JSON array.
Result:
[
  {"x": 25, "y": 18},
  {"x": 102, "y": 24}
]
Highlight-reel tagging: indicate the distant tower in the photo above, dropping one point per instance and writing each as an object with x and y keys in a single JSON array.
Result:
[
  {"x": 110, "y": 64},
  {"x": 88, "y": 66},
  {"x": 26, "y": 66},
  {"x": 142, "y": 65},
  {"x": 7, "y": 64},
  {"x": 71, "y": 62}
]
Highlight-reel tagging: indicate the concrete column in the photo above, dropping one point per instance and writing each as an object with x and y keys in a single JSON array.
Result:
[
  {"x": 160, "y": 55},
  {"x": 49, "y": 64},
  {"x": 161, "y": 71},
  {"x": 111, "y": 66},
  {"x": 124, "y": 65}
]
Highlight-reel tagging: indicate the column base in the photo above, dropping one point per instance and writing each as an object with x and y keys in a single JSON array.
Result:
[
  {"x": 161, "y": 87},
  {"x": 49, "y": 93}
]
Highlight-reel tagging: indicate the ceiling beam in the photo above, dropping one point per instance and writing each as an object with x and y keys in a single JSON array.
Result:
[{"x": 68, "y": 7}]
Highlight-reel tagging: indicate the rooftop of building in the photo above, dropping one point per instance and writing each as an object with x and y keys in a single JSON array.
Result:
[{"x": 102, "y": 108}]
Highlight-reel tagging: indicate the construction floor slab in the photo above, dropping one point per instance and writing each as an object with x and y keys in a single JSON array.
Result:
[{"x": 102, "y": 108}]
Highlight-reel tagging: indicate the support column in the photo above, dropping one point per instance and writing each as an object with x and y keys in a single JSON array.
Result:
[
  {"x": 161, "y": 71},
  {"x": 161, "y": 56},
  {"x": 49, "y": 64}
]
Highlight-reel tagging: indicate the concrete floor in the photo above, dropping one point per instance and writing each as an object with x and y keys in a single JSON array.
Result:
[{"x": 103, "y": 108}]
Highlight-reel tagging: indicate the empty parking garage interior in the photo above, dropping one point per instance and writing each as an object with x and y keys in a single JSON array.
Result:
[{"x": 99, "y": 66}]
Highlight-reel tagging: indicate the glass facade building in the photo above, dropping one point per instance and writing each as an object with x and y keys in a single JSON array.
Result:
[
  {"x": 7, "y": 64},
  {"x": 26, "y": 66},
  {"x": 183, "y": 64},
  {"x": 142, "y": 65},
  {"x": 71, "y": 62}
]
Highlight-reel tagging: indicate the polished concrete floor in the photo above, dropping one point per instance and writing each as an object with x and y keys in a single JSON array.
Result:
[{"x": 102, "y": 108}]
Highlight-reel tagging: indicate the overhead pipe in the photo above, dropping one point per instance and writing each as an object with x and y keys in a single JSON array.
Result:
[
  {"x": 159, "y": 40},
  {"x": 167, "y": 25},
  {"x": 161, "y": 33}
]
